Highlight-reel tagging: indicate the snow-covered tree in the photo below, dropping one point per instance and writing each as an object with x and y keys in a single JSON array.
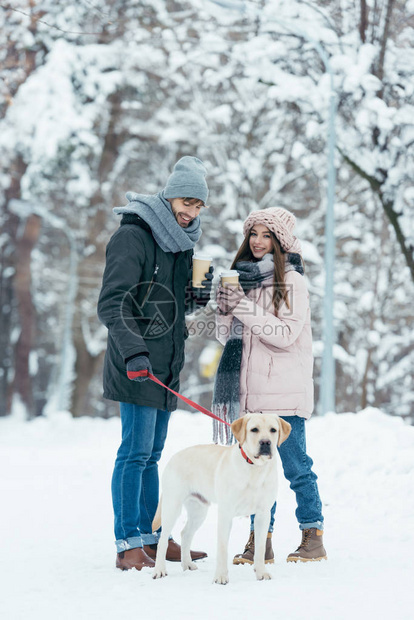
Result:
[{"x": 101, "y": 99}]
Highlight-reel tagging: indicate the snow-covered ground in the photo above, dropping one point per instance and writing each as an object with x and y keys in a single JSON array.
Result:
[{"x": 57, "y": 557}]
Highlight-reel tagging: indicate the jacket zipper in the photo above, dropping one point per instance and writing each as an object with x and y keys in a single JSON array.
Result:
[{"x": 147, "y": 294}]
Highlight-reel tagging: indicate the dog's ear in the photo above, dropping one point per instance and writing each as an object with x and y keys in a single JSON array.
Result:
[
  {"x": 284, "y": 430},
  {"x": 238, "y": 428}
]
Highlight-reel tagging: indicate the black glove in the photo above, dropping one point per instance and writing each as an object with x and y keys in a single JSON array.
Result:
[
  {"x": 140, "y": 362},
  {"x": 203, "y": 294}
]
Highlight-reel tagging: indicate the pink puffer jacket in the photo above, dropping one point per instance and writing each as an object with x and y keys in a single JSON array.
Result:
[{"x": 277, "y": 361}]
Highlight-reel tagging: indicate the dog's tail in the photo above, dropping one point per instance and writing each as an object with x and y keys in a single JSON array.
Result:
[{"x": 156, "y": 523}]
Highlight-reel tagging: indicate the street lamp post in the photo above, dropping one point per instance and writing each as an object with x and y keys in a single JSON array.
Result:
[{"x": 328, "y": 362}]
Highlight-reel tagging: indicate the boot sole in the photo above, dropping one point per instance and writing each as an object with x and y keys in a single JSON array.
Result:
[
  {"x": 176, "y": 559},
  {"x": 136, "y": 567},
  {"x": 244, "y": 561},
  {"x": 290, "y": 559},
  {"x": 192, "y": 559}
]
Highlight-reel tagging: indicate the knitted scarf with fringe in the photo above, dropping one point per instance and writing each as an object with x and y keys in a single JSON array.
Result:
[{"x": 226, "y": 394}]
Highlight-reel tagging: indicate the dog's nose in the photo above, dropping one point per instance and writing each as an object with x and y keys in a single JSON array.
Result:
[{"x": 265, "y": 447}]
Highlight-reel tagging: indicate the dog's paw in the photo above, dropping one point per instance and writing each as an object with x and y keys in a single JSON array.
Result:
[
  {"x": 263, "y": 576},
  {"x": 221, "y": 579},
  {"x": 189, "y": 565},
  {"x": 159, "y": 573}
]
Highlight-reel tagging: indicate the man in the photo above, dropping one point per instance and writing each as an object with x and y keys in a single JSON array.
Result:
[{"x": 145, "y": 294}]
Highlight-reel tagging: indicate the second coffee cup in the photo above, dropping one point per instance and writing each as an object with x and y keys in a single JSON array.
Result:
[{"x": 231, "y": 276}]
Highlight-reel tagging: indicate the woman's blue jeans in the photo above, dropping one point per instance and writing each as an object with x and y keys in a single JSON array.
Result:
[
  {"x": 297, "y": 467},
  {"x": 135, "y": 482}
]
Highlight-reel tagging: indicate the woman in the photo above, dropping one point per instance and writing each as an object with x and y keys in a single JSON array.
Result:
[{"x": 267, "y": 361}]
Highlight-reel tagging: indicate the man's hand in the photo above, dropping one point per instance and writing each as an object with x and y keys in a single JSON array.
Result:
[
  {"x": 203, "y": 294},
  {"x": 140, "y": 362},
  {"x": 228, "y": 297}
]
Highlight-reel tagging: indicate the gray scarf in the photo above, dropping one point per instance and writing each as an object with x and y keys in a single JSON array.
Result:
[
  {"x": 226, "y": 394},
  {"x": 156, "y": 211}
]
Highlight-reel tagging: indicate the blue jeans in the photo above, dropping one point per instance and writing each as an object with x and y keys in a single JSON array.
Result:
[
  {"x": 135, "y": 483},
  {"x": 297, "y": 467}
]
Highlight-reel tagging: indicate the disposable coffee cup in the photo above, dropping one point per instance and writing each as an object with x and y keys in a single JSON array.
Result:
[
  {"x": 229, "y": 277},
  {"x": 201, "y": 265}
]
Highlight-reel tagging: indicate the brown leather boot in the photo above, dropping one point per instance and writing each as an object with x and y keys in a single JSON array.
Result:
[
  {"x": 173, "y": 552},
  {"x": 133, "y": 558},
  {"x": 247, "y": 557},
  {"x": 311, "y": 548}
]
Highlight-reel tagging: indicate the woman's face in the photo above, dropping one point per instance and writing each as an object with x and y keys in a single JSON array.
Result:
[{"x": 260, "y": 241}]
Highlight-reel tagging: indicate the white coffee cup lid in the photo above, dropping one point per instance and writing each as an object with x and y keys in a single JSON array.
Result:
[
  {"x": 230, "y": 273},
  {"x": 200, "y": 256}
]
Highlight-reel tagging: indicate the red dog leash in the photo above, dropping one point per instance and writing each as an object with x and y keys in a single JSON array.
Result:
[{"x": 145, "y": 373}]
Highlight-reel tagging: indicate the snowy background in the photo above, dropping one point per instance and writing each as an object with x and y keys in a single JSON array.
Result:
[
  {"x": 58, "y": 558},
  {"x": 100, "y": 98}
]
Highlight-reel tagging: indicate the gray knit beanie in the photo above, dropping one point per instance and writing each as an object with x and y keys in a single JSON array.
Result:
[{"x": 187, "y": 180}]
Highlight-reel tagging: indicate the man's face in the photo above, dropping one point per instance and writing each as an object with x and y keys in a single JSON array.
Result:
[{"x": 185, "y": 209}]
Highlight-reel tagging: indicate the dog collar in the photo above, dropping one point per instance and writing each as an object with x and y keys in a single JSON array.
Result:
[{"x": 244, "y": 455}]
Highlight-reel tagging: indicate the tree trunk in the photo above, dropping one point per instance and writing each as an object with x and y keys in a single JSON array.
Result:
[
  {"x": 363, "y": 22},
  {"x": 8, "y": 258},
  {"x": 384, "y": 40},
  {"x": 85, "y": 369},
  {"x": 86, "y": 364},
  {"x": 17, "y": 64},
  {"x": 22, "y": 384},
  {"x": 364, "y": 395}
]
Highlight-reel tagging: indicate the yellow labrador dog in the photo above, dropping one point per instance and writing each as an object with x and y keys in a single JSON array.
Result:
[{"x": 241, "y": 479}]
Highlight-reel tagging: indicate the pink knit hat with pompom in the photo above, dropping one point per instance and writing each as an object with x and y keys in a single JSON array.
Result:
[{"x": 281, "y": 222}]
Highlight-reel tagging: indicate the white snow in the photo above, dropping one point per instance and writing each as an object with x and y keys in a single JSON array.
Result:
[{"x": 58, "y": 555}]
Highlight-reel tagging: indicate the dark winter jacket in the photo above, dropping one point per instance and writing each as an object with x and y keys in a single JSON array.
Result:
[{"x": 144, "y": 296}]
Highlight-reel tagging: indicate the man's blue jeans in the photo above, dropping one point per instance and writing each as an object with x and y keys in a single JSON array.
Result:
[
  {"x": 297, "y": 467},
  {"x": 135, "y": 482}
]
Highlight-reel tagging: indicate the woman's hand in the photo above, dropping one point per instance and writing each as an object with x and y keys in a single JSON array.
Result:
[{"x": 228, "y": 297}]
